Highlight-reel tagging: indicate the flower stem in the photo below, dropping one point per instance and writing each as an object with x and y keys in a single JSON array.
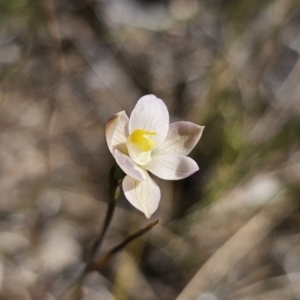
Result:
[
  {"x": 115, "y": 178},
  {"x": 114, "y": 185}
]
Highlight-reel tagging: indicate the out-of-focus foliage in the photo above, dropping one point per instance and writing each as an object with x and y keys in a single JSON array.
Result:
[{"x": 231, "y": 231}]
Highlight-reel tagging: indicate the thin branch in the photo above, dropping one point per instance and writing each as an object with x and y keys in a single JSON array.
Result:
[{"x": 97, "y": 265}]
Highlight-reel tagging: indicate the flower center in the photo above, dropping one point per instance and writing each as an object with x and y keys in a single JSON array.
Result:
[
  {"x": 139, "y": 145},
  {"x": 140, "y": 138}
]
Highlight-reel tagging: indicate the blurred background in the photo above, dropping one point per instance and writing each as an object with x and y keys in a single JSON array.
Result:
[{"x": 230, "y": 231}]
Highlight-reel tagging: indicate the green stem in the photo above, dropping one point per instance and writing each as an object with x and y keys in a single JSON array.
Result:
[
  {"x": 114, "y": 185},
  {"x": 115, "y": 178}
]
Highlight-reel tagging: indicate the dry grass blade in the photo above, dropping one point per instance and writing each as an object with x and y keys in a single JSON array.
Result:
[
  {"x": 249, "y": 236},
  {"x": 108, "y": 256}
]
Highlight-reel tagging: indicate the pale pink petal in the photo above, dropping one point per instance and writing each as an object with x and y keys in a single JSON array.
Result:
[
  {"x": 150, "y": 114},
  {"x": 116, "y": 132},
  {"x": 129, "y": 166},
  {"x": 181, "y": 139},
  {"x": 143, "y": 195},
  {"x": 172, "y": 167}
]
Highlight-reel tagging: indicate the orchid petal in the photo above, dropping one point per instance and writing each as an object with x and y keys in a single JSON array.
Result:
[
  {"x": 150, "y": 114},
  {"x": 129, "y": 166},
  {"x": 181, "y": 139},
  {"x": 172, "y": 167},
  {"x": 116, "y": 131},
  {"x": 143, "y": 195}
]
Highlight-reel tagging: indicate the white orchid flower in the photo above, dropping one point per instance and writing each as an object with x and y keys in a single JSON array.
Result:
[{"x": 146, "y": 142}]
